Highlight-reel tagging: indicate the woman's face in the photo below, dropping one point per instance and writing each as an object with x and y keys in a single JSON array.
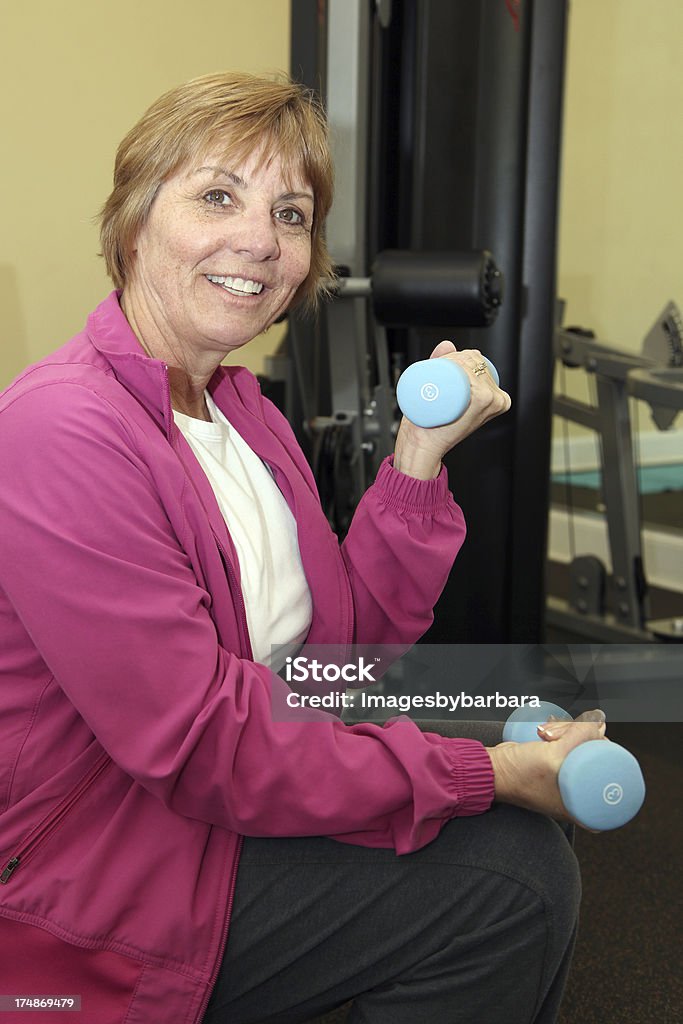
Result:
[{"x": 221, "y": 255}]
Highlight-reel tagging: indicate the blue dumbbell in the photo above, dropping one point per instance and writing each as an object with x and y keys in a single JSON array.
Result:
[
  {"x": 433, "y": 392},
  {"x": 601, "y": 783}
]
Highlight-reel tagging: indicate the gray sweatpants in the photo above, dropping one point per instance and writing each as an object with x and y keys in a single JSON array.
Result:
[{"x": 478, "y": 927}]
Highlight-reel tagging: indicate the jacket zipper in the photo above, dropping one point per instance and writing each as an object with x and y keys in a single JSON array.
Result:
[
  {"x": 226, "y": 928},
  {"x": 42, "y": 832},
  {"x": 236, "y": 590}
]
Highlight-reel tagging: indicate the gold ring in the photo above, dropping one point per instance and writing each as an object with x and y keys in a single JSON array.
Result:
[{"x": 480, "y": 368}]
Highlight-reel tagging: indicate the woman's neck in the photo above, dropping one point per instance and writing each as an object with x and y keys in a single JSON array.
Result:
[
  {"x": 186, "y": 396},
  {"x": 187, "y": 386}
]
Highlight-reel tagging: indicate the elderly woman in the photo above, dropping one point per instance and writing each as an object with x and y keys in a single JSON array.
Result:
[{"x": 166, "y": 840}]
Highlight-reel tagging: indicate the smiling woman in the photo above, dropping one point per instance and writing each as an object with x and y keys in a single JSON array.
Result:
[
  {"x": 232, "y": 117},
  {"x": 227, "y": 178},
  {"x": 220, "y": 256}
]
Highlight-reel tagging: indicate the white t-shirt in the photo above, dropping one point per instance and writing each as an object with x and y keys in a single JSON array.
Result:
[{"x": 263, "y": 530}]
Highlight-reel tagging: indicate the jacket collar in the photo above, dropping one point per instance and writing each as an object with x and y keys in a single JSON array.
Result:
[{"x": 146, "y": 378}]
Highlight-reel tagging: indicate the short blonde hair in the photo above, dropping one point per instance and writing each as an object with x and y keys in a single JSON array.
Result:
[{"x": 235, "y": 114}]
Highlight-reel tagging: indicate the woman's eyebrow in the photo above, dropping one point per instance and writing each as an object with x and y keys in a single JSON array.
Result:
[
  {"x": 298, "y": 195},
  {"x": 234, "y": 178},
  {"x": 241, "y": 183}
]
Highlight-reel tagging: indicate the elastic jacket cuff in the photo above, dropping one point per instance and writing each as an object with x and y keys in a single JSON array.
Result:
[
  {"x": 408, "y": 493},
  {"x": 473, "y": 776}
]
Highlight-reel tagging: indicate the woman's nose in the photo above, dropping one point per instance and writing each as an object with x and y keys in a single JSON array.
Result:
[{"x": 255, "y": 234}]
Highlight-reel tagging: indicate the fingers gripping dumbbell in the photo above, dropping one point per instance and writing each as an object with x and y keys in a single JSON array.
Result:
[
  {"x": 601, "y": 783},
  {"x": 433, "y": 392}
]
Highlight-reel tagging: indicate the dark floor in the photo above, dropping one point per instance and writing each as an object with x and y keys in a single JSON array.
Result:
[{"x": 628, "y": 967}]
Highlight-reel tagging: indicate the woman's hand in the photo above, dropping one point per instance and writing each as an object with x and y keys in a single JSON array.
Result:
[
  {"x": 419, "y": 450},
  {"x": 526, "y": 773}
]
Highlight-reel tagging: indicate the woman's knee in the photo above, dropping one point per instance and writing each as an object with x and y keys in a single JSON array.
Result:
[
  {"x": 525, "y": 847},
  {"x": 538, "y": 853}
]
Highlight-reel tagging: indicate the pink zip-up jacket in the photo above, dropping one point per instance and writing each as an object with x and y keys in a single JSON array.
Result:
[{"x": 138, "y": 740}]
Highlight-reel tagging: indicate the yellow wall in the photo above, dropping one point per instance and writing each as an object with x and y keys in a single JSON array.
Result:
[
  {"x": 74, "y": 76},
  {"x": 621, "y": 210}
]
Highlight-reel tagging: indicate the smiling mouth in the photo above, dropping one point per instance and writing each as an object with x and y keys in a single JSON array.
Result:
[{"x": 236, "y": 285}]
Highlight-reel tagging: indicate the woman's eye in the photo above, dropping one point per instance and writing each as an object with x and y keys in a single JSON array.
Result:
[
  {"x": 218, "y": 196},
  {"x": 290, "y": 216}
]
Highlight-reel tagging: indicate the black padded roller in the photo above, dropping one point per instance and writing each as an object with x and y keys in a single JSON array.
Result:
[{"x": 436, "y": 289}]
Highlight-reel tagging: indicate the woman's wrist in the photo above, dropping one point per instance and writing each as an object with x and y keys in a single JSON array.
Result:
[
  {"x": 502, "y": 781},
  {"x": 413, "y": 459}
]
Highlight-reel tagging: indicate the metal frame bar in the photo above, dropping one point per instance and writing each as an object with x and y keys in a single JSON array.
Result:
[
  {"x": 619, "y": 376},
  {"x": 348, "y": 82}
]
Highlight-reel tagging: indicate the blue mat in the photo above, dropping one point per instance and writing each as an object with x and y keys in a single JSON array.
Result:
[{"x": 651, "y": 479}]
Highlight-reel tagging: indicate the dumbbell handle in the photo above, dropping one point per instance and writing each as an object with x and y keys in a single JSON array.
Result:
[
  {"x": 600, "y": 783},
  {"x": 433, "y": 392}
]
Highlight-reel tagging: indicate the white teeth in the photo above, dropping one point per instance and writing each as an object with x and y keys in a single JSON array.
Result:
[{"x": 237, "y": 284}]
